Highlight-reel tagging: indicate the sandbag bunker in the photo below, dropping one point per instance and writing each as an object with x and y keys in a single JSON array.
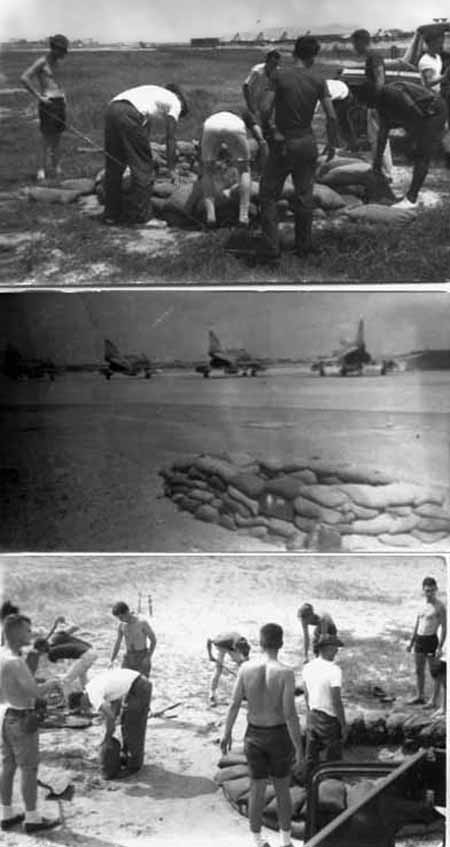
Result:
[
  {"x": 309, "y": 504},
  {"x": 366, "y": 729},
  {"x": 345, "y": 188}
]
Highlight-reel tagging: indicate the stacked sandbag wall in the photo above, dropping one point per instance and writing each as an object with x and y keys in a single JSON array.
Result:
[
  {"x": 367, "y": 728},
  {"x": 308, "y": 504}
]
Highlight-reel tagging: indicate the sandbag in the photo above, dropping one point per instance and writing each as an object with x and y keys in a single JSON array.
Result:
[
  {"x": 250, "y": 484},
  {"x": 231, "y": 772},
  {"x": 332, "y": 796},
  {"x": 326, "y": 198},
  {"x": 324, "y": 495},
  {"x": 250, "y": 504},
  {"x": 207, "y": 513},
  {"x": 377, "y": 214},
  {"x": 163, "y": 188},
  {"x": 287, "y": 487},
  {"x": 351, "y": 174},
  {"x": 110, "y": 757},
  {"x": 337, "y": 162},
  {"x": 84, "y": 185},
  {"x": 52, "y": 195},
  {"x": 219, "y": 467},
  {"x": 183, "y": 204},
  {"x": 276, "y": 507}
]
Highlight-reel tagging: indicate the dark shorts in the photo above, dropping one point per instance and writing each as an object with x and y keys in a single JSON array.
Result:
[
  {"x": 269, "y": 751},
  {"x": 52, "y": 116},
  {"x": 426, "y": 644}
]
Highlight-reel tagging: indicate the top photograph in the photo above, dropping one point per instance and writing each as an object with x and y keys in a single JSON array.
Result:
[{"x": 221, "y": 144}]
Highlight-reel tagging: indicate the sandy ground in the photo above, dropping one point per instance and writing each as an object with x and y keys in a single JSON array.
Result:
[
  {"x": 80, "y": 456},
  {"x": 173, "y": 799}
]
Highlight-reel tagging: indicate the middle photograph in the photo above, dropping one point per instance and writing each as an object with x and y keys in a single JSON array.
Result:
[{"x": 197, "y": 421}]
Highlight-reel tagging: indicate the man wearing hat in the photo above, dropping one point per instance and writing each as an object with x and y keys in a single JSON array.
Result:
[
  {"x": 326, "y": 727},
  {"x": 323, "y": 624},
  {"x": 52, "y": 104},
  {"x": 130, "y": 119}
]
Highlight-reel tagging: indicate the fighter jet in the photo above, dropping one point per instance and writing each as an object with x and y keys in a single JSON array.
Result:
[
  {"x": 130, "y": 364},
  {"x": 15, "y": 366},
  {"x": 231, "y": 362},
  {"x": 352, "y": 359}
]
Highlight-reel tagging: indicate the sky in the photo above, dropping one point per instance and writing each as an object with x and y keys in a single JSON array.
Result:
[
  {"x": 71, "y": 327},
  {"x": 172, "y": 20}
]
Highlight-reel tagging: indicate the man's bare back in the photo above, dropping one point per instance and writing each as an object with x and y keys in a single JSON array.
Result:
[{"x": 267, "y": 685}]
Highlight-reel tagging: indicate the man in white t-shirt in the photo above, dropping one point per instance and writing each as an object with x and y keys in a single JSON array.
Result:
[
  {"x": 326, "y": 727},
  {"x": 128, "y": 693},
  {"x": 225, "y": 134},
  {"x": 430, "y": 64},
  {"x": 130, "y": 118}
]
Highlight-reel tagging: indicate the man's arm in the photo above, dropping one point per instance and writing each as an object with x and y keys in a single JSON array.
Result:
[
  {"x": 151, "y": 637},
  {"x": 110, "y": 718},
  {"x": 171, "y": 149},
  {"x": 233, "y": 710},
  {"x": 413, "y": 636},
  {"x": 55, "y": 624},
  {"x": 330, "y": 114},
  {"x": 291, "y": 716},
  {"x": 339, "y": 708},
  {"x": 443, "y": 625},
  {"x": 306, "y": 641},
  {"x": 247, "y": 96},
  {"x": 116, "y": 647},
  {"x": 383, "y": 135},
  {"x": 27, "y": 76}
]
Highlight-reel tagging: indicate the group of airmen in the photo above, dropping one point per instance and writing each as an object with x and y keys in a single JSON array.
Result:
[
  {"x": 280, "y": 102},
  {"x": 273, "y": 741}
]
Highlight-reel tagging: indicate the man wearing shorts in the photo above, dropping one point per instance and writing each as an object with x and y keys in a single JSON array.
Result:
[
  {"x": 229, "y": 131},
  {"x": 130, "y": 119},
  {"x": 230, "y": 644},
  {"x": 19, "y": 728},
  {"x": 125, "y": 693},
  {"x": 431, "y": 620},
  {"x": 273, "y": 744},
  {"x": 326, "y": 728},
  {"x": 52, "y": 104},
  {"x": 323, "y": 625},
  {"x": 140, "y": 640}
]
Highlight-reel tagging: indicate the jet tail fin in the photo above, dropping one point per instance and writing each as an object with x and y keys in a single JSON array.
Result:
[
  {"x": 214, "y": 343},
  {"x": 359, "y": 341},
  {"x": 110, "y": 349}
]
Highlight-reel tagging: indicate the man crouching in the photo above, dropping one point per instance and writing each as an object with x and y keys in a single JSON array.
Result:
[{"x": 273, "y": 744}]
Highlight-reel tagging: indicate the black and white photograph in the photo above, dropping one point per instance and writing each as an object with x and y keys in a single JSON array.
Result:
[
  {"x": 220, "y": 698},
  {"x": 216, "y": 421},
  {"x": 224, "y": 143}
]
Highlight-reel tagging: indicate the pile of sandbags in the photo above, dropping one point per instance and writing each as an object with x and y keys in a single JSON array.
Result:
[
  {"x": 308, "y": 504},
  {"x": 335, "y": 795}
]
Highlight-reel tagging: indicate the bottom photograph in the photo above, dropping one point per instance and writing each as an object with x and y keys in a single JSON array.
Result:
[{"x": 223, "y": 700}]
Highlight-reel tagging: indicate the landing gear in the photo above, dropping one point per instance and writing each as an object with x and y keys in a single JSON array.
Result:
[{"x": 147, "y": 374}]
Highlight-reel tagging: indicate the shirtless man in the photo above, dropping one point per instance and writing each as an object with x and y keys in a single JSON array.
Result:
[
  {"x": 140, "y": 640},
  {"x": 20, "y": 728},
  {"x": 323, "y": 624},
  {"x": 230, "y": 644},
  {"x": 52, "y": 103},
  {"x": 432, "y": 618},
  {"x": 273, "y": 743}
]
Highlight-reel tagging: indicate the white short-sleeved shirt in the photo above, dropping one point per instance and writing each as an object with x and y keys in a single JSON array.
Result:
[
  {"x": 110, "y": 685},
  {"x": 434, "y": 64},
  {"x": 320, "y": 676},
  {"x": 152, "y": 101},
  {"x": 258, "y": 83},
  {"x": 338, "y": 90}
]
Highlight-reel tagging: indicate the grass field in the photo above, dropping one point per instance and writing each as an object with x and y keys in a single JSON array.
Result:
[{"x": 70, "y": 248}]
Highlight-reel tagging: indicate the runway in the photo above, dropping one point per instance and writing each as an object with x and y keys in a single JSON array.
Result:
[{"x": 80, "y": 456}]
